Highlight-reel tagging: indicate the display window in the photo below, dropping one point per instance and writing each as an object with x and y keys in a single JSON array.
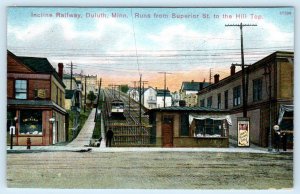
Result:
[{"x": 30, "y": 122}]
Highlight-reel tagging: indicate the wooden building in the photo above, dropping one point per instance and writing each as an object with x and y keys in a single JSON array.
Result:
[
  {"x": 35, "y": 101},
  {"x": 189, "y": 90},
  {"x": 270, "y": 86},
  {"x": 178, "y": 126}
]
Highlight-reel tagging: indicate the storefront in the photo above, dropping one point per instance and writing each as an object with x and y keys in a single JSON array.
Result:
[
  {"x": 189, "y": 127},
  {"x": 42, "y": 126}
]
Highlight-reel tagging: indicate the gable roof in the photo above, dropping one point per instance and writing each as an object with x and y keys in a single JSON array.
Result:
[
  {"x": 40, "y": 65},
  {"x": 160, "y": 92},
  {"x": 149, "y": 88},
  {"x": 193, "y": 86}
]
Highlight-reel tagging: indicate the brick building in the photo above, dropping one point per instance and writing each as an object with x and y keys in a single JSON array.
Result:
[
  {"x": 35, "y": 101},
  {"x": 226, "y": 94}
]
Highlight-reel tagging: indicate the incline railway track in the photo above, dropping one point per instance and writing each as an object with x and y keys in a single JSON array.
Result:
[
  {"x": 131, "y": 109},
  {"x": 128, "y": 131}
]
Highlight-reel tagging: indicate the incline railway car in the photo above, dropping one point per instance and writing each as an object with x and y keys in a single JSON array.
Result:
[{"x": 117, "y": 108}]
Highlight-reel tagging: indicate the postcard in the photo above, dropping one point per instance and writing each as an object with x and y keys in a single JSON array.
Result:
[{"x": 150, "y": 97}]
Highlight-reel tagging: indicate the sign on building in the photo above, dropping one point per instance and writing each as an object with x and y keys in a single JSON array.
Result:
[
  {"x": 243, "y": 125},
  {"x": 40, "y": 93}
]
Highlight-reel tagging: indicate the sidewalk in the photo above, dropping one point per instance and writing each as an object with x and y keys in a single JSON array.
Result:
[
  {"x": 86, "y": 133},
  {"x": 80, "y": 144}
]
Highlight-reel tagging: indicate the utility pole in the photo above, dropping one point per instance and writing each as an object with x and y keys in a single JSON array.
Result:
[
  {"x": 210, "y": 75},
  {"x": 165, "y": 86},
  {"x": 98, "y": 98},
  {"x": 71, "y": 75},
  {"x": 144, "y": 82},
  {"x": 247, "y": 79},
  {"x": 84, "y": 93},
  {"x": 140, "y": 100},
  {"x": 129, "y": 103},
  {"x": 241, "y": 25},
  {"x": 71, "y": 66}
]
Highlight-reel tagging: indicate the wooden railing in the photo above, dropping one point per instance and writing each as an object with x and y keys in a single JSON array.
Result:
[{"x": 130, "y": 135}]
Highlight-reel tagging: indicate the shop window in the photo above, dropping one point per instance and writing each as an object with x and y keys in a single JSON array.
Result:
[
  {"x": 257, "y": 90},
  {"x": 21, "y": 89},
  {"x": 184, "y": 124},
  {"x": 30, "y": 122},
  {"x": 210, "y": 128},
  {"x": 237, "y": 96}
]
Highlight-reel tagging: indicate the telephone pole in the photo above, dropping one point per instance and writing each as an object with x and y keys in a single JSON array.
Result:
[
  {"x": 165, "y": 85},
  {"x": 210, "y": 75},
  {"x": 144, "y": 82},
  {"x": 84, "y": 93},
  {"x": 241, "y": 25},
  {"x": 98, "y": 99},
  {"x": 71, "y": 66},
  {"x": 140, "y": 100}
]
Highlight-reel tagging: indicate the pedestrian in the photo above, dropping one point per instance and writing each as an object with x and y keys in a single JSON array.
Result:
[
  {"x": 99, "y": 142},
  {"x": 277, "y": 140},
  {"x": 284, "y": 141},
  {"x": 109, "y": 137}
]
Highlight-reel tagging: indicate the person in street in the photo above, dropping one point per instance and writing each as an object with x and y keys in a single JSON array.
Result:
[
  {"x": 277, "y": 140},
  {"x": 109, "y": 137},
  {"x": 284, "y": 141},
  {"x": 99, "y": 142}
]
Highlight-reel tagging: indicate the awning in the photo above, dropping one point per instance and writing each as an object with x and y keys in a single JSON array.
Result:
[
  {"x": 283, "y": 109},
  {"x": 213, "y": 117}
]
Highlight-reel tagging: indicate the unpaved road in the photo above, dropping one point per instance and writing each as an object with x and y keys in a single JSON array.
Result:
[{"x": 150, "y": 170}]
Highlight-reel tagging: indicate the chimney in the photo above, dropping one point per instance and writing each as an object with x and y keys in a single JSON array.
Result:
[
  {"x": 217, "y": 78},
  {"x": 232, "y": 70},
  {"x": 60, "y": 70}
]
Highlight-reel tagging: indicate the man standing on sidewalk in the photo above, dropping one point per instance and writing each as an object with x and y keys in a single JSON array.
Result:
[{"x": 109, "y": 136}]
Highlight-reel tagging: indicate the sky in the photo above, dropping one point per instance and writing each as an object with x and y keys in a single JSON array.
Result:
[{"x": 187, "y": 43}]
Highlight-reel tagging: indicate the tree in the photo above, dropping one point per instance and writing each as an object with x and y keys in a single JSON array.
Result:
[
  {"x": 124, "y": 88},
  {"x": 91, "y": 96}
]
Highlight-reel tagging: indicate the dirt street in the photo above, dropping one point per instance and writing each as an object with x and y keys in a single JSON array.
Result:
[{"x": 150, "y": 170}]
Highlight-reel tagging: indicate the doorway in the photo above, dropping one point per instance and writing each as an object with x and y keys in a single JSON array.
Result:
[{"x": 167, "y": 131}]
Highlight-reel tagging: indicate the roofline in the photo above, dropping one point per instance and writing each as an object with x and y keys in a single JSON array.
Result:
[
  {"x": 181, "y": 110},
  {"x": 52, "y": 72},
  {"x": 255, "y": 65},
  {"x": 17, "y": 59}
]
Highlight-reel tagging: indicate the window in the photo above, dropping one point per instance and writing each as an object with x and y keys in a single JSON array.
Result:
[
  {"x": 237, "y": 96},
  {"x": 210, "y": 128},
  {"x": 21, "y": 89},
  {"x": 30, "y": 122},
  {"x": 209, "y": 102},
  {"x": 56, "y": 95},
  {"x": 60, "y": 99},
  {"x": 226, "y": 99},
  {"x": 184, "y": 124},
  {"x": 257, "y": 90},
  {"x": 202, "y": 103},
  {"x": 219, "y": 101}
]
